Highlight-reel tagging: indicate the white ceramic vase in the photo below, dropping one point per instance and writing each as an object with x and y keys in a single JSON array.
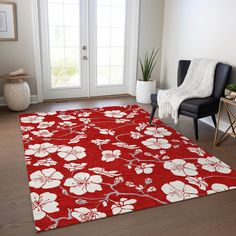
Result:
[
  {"x": 227, "y": 92},
  {"x": 17, "y": 95},
  {"x": 144, "y": 89}
]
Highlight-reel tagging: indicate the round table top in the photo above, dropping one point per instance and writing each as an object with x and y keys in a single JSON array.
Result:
[{"x": 18, "y": 77}]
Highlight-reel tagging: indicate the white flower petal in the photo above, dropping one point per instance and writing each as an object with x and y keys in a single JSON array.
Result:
[
  {"x": 38, "y": 214},
  {"x": 70, "y": 182}
]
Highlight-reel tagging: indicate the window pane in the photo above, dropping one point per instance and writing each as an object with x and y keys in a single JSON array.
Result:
[
  {"x": 64, "y": 33},
  {"x": 71, "y": 1},
  {"x": 57, "y": 56},
  {"x": 103, "y": 16},
  {"x": 58, "y": 76},
  {"x": 117, "y": 17},
  {"x": 72, "y": 57},
  {"x": 71, "y": 16},
  {"x": 103, "y": 37},
  {"x": 117, "y": 56},
  {"x": 72, "y": 36},
  {"x": 72, "y": 75},
  {"x": 117, "y": 74},
  {"x": 111, "y": 17},
  {"x": 103, "y": 75},
  {"x": 104, "y": 2},
  {"x": 103, "y": 56},
  {"x": 117, "y": 37},
  {"x": 55, "y": 1},
  {"x": 120, "y": 3},
  {"x": 56, "y": 35},
  {"x": 55, "y": 13}
]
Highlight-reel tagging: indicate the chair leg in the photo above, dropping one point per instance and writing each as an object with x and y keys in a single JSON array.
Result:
[
  {"x": 195, "y": 123},
  {"x": 214, "y": 119},
  {"x": 152, "y": 114}
]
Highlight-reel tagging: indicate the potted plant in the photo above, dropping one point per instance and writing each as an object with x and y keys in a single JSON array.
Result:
[
  {"x": 146, "y": 86},
  {"x": 230, "y": 91}
]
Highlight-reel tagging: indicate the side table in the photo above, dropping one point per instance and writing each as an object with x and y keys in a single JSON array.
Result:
[
  {"x": 231, "y": 115},
  {"x": 16, "y": 92}
]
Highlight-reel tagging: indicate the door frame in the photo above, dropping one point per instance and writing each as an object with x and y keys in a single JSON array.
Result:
[{"x": 133, "y": 50}]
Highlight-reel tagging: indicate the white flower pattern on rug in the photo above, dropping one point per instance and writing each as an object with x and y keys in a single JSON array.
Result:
[
  {"x": 213, "y": 164},
  {"x": 45, "y": 162},
  {"x": 42, "y": 133},
  {"x": 157, "y": 132},
  {"x": 115, "y": 114},
  {"x": 84, "y": 214},
  {"x": 123, "y": 206},
  {"x": 199, "y": 151},
  {"x": 154, "y": 143},
  {"x": 32, "y": 119},
  {"x": 41, "y": 150},
  {"x": 177, "y": 191},
  {"x": 67, "y": 123},
  {"x": 26, "y": 128},
  {"x": 50, "y": 113},
  {"x": 109, "y": 156},
  {"x": 144, "y": 168},
  {"x": 199, "y": 181},
  {"x": 106, "y": 131},
  {"x": 74, "y": 166},
  {"x": 71, "y": 153},
  {"x": 180, "y": 167},
  {"x": 66, "y": 117},
  {"x": 84, "y": 114},
  {"x": 82, "y": 183},
  {"x": 43, "y": 204},
  {"x": 217, "y": 188},
  {"x": 100, "y": 141},
  {"x": 45, "y": 125},
  {"x": 125, "y": 145},
  {"x": 45, "y": 179},
  {"x": 85, "y": 120},
  {"x": 136, "y": 135}
]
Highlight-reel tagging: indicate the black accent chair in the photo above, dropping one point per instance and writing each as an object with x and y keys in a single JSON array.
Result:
[{"x": 198, "y": 108}]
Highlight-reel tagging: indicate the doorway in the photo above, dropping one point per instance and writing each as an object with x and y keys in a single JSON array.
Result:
[{"x": 86, "y": 47}]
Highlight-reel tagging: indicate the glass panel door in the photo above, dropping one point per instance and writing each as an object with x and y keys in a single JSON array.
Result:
[
  {"x": 66, "y": 31},
  {"x": 84, "y": 47},
  {"x": 108, "y": 46},
  {"x": 110, "y": 42},
  {"x": 64, "y": 41}
]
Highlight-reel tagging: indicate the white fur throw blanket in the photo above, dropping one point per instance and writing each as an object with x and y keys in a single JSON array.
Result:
[{"x": 198, "y": 83}]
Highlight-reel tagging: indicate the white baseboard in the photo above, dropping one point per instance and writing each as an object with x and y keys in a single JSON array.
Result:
[
  {"x": 222, "y": 127},
  {"x": 33, "y": 100}
]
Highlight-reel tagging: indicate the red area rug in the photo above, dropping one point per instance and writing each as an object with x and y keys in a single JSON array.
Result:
[{"x": 88, "y": 164}]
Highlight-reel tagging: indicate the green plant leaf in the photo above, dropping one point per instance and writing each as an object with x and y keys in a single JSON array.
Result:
[
  {"x": 231, "y": 87},
  {"x": 148, "y": 64}
]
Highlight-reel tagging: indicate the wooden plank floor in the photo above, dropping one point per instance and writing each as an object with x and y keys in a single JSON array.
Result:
[{"x": 212, "y": 215}]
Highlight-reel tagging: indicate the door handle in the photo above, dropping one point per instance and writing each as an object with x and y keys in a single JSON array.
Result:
[
  {"x": 84, "y": 48},
  {"x": 85, "y": 58}
]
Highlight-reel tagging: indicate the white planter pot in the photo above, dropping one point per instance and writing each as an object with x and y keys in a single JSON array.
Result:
[
  {"x": 144, "y": 89},
  {"x": 227, "y": 92},
  {"x": 17, "y": 95}
]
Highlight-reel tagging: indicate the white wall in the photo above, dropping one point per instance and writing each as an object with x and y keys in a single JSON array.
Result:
[
  {"x": 151, "y": 31},
  {"x": 197, "y": 29},
  {"x": 17, "y": 54},
  {"x": 14, "y": 55}
]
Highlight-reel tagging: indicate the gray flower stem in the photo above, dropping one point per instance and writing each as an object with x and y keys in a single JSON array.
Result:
[{"x": 56, "y": 221}]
